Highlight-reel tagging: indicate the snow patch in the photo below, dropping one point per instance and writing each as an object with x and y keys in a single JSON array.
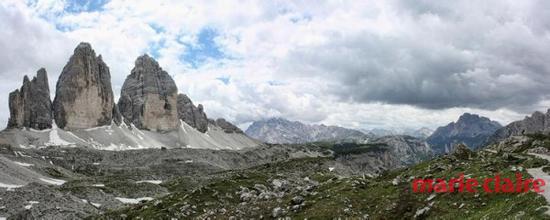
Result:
[
  {"x": 23, "y": 164},
  {"x": 133, "y": 201},
  {"x": 97, "y": 205},
  {"x": 39, "y": 131},
  {"x": 99, "y": 185},
  {"x": 29, "y": 206},
  {"x": 9, "y": 186},
  {"x": 53, "y": 181},
  {"x": 55, "y": 140},
  {"x": 98, "y": 128},
  {"x": 421, "y": 211},
  {"x": 21, "y": 154},
  {"x": 150, "y": 181}
]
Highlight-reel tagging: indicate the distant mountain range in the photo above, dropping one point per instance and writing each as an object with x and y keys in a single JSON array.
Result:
[
  {"x": 421, "y": 133},
  {"x": 280, "y": 130},
  {"x": 470, "y": 129}
]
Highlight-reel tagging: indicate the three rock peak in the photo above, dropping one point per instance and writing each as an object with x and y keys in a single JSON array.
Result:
[{"x": 84, "y": 98}]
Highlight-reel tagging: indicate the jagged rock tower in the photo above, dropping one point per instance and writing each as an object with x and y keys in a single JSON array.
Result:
[
  {"x": 149, "y": 97},
  {"x": 84, "y": 97},
  {"x": 191, "y": 114},
  {"x": 30, "y": 106}
]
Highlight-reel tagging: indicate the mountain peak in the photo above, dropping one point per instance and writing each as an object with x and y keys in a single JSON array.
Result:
[
  {"x": 471, "y": 129},
  {"x": 146, "y": 60},
  {"x": 84, "y": 75},
  {"x": 85, "y": 49},
  {"x": 468, "y": 116},
  {"x": 84, "y": 45},
  {"x": 30, "y": 106},
  {"x": 149, "y": 97}
]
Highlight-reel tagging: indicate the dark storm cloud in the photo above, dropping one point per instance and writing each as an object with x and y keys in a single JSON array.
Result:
[{"x": 440, "y": 56}]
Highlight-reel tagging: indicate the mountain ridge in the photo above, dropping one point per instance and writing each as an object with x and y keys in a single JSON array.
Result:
[{"x": 281, "y": 130}]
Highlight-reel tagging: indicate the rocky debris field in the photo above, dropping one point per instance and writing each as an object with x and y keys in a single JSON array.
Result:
[
  {"x": 78, "y": 182},
  {"x": 311, "y": 188},
  {"x": 314, "y": 181}
]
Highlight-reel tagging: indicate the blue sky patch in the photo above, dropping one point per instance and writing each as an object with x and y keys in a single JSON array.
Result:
[
  {"x": 155, "y": 47},
  {"x": 205, "y": 48},
  {"x": 159, "y": 29},
  {"x": 77, "y": 6},
  {"x": 225, "y": 79}
]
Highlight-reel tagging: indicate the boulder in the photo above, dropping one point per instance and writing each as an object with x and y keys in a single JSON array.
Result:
[
  {"x": 149, "y": 97},
  {"x": 30, "y": 106},
  {"x": 191, "y": 114},
  {"x": 84, "y": 97},
  {"x": 461, "y": 151}
]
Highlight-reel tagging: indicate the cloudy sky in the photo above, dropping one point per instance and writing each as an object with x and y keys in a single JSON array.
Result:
[{"x": 360, "y": 64}]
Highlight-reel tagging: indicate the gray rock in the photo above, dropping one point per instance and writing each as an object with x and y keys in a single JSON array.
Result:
[
  {"x": 149, "y": 97},
  {"x": 297, "y": 200},
  {"x": 277, "y": 212},
  {"x": 30, "y": 106},
  {"x": 461, "y": 151},
  {"x": 84, "y": 97},
  {"x": 280, "y": 185},
  {"x": 260, "y": 187},
  {"x": 117, "y": 117},
  {"x": 225, "y": 125},
  {"x": 191, "y": 114}
]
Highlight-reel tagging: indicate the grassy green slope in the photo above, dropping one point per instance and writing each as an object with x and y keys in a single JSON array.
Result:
[{"x": 326, "y": 194}]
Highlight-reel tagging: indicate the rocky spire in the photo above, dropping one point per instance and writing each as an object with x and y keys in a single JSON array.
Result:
[
  {"x": 149, "y": 97},
  {"x": 84, "y": 97},
  {"x": 192, "y": 115},
  {"x": 30, "y": 106}
]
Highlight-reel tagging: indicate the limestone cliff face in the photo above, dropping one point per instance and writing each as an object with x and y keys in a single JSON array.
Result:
[
  {"x": 191, "y": 114},
  {"x": 149, "y": 97},
  {"x": 84, "y": 97},
  {"x": 30, "y": 106}
]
